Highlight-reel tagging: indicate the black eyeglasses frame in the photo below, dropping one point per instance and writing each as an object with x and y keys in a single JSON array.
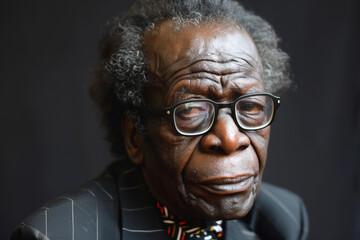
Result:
[{"x": 169, "y": 112}]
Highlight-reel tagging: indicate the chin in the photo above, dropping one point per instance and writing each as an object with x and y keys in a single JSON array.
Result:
[{"x": 224, "y": 207}]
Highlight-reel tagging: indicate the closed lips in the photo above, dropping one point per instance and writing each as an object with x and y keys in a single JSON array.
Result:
[{"x": 223, "y": 186}]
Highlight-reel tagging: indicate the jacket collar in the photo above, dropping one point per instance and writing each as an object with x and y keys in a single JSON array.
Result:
[{"x": 140, "y": 219}]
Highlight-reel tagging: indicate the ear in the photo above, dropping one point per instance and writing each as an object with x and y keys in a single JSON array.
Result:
[{"x": 133, "y": 140}]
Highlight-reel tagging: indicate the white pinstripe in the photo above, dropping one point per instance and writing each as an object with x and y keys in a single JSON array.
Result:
[
  {"x": 72, "y": 215},
  {"x": 46, "y": 220},
  {"x": 108, "y": 194},
  {"x": 89, "y": 191},
  {"x": 101, "y": 187},
  {"x": 97, "y": 211}
]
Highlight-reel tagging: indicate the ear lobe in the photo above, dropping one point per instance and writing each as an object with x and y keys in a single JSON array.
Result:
[{"x": 133, "y": 141}]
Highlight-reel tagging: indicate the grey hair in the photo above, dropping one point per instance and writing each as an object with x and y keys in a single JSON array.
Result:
[{"x": 121, "y": 77}]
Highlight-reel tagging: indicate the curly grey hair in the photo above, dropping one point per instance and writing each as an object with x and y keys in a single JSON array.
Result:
[{"x": 121, "y": 76}]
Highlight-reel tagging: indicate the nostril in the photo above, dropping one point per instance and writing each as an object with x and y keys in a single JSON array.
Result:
[
  {"x": 242, "y": 147},
  {"x": 217, "y": 150},
  {"x": 214, "y": 148}
]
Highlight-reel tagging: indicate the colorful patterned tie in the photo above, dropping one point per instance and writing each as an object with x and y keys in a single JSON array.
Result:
[{"x": 180, "y": 230}]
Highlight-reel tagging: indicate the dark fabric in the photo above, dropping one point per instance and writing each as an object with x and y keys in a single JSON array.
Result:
[
  {"x": 118, "y": 205},
  {"x": 90, "y": 212},
  {"x": 28, "y": 233},
  {"x": 278, "y": 214}
]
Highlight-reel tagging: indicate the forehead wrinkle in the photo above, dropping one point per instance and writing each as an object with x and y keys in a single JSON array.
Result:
[
  {"x": 172, "y": 69},
  {"x": 201, "y": 87},
  {"x": 232, "y": 90},
  {"x": 193, "y": 67},
  {"x": 221, "y": 81},
  {"x": 211, "y": 66},
  {"x": 240, "y": 89},
  {"x": 170, "y": 79},
  {"x": 194, "y": 88},
  {"x": 228, "y": 79},
  {"x": 221, "y": 53}
]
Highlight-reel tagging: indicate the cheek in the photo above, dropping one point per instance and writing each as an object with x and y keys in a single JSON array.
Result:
[
  {"x": 168, "y": 150},
  {"x": 165, "y": 157},
  {"x": 260, "y": 141}
]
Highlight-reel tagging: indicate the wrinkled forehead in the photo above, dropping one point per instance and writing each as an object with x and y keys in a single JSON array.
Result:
[{"x": 168, "y": 47}]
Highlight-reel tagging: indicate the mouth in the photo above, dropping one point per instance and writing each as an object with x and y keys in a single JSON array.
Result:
[{"x": 225, "y": 186}]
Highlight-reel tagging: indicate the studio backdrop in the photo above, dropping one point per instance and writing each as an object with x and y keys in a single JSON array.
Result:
[{"x": 51, "y": 140}]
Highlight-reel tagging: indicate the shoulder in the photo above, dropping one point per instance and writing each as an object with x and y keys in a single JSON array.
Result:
[
  {"x": 86, "y": 212},
  {"x": 274, "y": 199},
  {"x": 279, "y": 214}
]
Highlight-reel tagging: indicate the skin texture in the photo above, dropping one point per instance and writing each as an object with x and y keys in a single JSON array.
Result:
[{"x": 217, "y": 175}]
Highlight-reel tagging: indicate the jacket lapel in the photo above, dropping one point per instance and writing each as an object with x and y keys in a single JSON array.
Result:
[
  {"x": 270, "y": 217},
  {"x": 237, "y": 230},
  {"x": 139, "y": 217}
]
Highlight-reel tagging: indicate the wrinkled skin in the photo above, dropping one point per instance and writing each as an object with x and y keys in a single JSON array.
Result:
[{"x": 217, "y": 175}]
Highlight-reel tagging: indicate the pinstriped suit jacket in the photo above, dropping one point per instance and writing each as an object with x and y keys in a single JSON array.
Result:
[{"x": 118, "y": 205}]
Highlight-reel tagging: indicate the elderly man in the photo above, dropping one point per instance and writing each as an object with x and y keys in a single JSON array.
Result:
[{"x": 186, "y": 93}]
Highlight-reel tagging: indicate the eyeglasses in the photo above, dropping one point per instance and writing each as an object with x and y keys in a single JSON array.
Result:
[{"x": 197, "y": 116}]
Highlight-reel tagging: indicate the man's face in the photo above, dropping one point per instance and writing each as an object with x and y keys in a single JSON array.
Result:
[{"x": 216, "y": 175}]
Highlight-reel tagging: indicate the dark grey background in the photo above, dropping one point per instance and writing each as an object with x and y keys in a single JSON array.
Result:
[{"x": 51, "y": 141}]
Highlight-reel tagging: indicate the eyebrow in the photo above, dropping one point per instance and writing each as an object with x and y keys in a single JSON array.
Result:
[
  {"x": 244, "y": 66},
  {"x": 209, "y": 91}
]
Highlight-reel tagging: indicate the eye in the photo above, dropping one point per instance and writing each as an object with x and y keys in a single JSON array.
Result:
[
  {"x": 249, "y": 107},
  {"x": 191, "y": 110},
  {"x": 254, "y": 111},
  {"x": 194, "y": 117}
]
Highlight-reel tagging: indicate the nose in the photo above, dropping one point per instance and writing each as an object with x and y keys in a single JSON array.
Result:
[{"x": 225, "y": 136}]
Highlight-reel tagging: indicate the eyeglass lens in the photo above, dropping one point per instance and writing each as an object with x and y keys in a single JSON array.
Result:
[
  {"x": 194, "y": 117},
  {"x": 197, "y": 117},
  {"x": 254, "y": 112}
]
